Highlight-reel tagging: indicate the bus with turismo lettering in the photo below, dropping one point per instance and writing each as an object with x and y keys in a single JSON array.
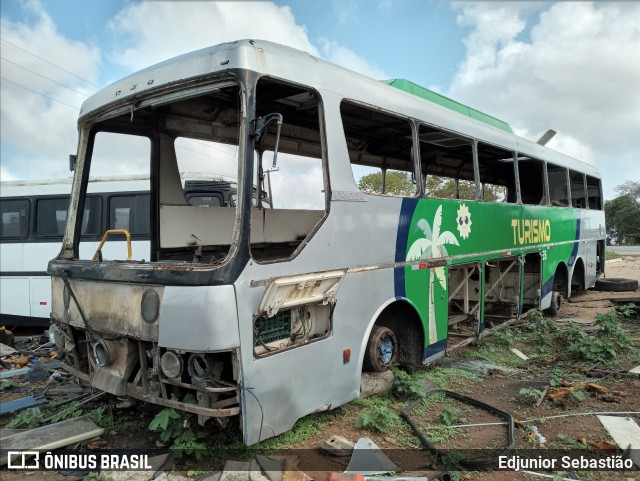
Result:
[{"x": 266, "y": 312}]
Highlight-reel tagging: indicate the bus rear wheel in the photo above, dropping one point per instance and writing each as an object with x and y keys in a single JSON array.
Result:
[{"x": 381, "y": 351}]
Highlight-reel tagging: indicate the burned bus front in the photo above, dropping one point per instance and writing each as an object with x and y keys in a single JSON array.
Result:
[{"x": 159, "y": 324}]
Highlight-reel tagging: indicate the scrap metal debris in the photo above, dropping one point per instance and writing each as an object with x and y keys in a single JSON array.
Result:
[{"x": 368, "y": 459}]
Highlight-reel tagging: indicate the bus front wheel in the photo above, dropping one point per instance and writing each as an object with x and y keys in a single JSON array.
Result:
[{"x": 381, "y": 350}]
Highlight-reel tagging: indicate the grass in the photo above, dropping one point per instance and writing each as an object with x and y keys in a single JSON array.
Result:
[
  {"x": 608, "y": 255},
  {"x": 447, "y": 377}
]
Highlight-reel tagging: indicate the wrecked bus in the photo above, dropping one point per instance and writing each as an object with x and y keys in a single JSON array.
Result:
[{"x": 268, "y": 311}]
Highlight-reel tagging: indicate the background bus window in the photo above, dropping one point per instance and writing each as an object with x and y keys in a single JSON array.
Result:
[
  {"x": 130, "y": 212},
  {"x": 558, "y": 188},
  {"x": 594, "y": 193},
  {"x": 531, "y": 177},
  {"x": 578, "y": 198},
  {"x": 15, "y": 218},
  {"x": 51, "y": 216},
  {"x": 379, "y": 143},
  {"x": 447, "y": 164},
  {"x": 497, "y": 173}
]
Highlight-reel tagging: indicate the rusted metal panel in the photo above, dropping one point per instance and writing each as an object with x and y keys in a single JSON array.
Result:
[{"x": 97, "y": 300}]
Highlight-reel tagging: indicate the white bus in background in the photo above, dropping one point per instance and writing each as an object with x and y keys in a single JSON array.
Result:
[{"x": 34, "y": 215}]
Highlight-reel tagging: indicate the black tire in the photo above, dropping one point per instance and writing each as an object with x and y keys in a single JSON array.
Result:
[
  {"x": 381, "y": 351},
  {"x": 616, "y": 285},
  {"x": 556, "y": 302}
]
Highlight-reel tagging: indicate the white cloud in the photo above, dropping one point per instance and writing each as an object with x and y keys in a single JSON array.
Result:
[
  {"x": 156, "y": 31},
  {"x": 578, "y": 74},
  {"x": 338, "y": 54},
  {"x": 41, "y": 132}
]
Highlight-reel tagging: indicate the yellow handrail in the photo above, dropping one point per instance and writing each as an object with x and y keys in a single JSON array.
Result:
[{"x": 107, "y": 234}]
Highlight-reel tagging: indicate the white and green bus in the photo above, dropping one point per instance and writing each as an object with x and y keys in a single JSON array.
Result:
[{"x": 267, "y": 312}]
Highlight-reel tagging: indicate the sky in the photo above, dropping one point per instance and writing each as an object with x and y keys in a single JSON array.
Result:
[{"x": 570, "y": 66}]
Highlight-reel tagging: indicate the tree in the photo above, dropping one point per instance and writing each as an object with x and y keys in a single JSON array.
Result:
[
  {"x": 400, "y": 183},
  {"x": 396, "y": 183},
  {"x": 630, "y": 188},
  {"x": 623, "y": 212}
]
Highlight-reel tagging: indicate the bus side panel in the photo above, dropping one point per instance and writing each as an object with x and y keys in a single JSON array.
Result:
[
  {"x": 40, "y": 296},
  {"x": 15, "y": 296},
  {"x": 302, "y": 379},
  {"x": 199, "y": 319}
]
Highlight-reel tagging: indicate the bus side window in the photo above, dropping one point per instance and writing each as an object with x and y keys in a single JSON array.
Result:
[
  {"x": 15, "y": 218},
  {"x": 557, "y": 178},
  {"x": 51, "y": 216},
  {"x": 497, "y": 173},
  {"x": 380, "y": 150},
  {"x": 446, "y": 161},
  {"x": 531, "y": 177},
  {"x": 578, "y": 198},
  {"x": 594, "y": 193},
  {"x": 130, "y": 212}
]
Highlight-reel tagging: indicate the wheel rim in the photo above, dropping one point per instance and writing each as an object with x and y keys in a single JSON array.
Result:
[{"x": 385, "y": 350}]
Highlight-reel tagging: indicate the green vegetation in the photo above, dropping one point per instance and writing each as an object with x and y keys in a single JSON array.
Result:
[
  {"x": 445, "y": 377},
  {"x": 529, "y": 396},
  {"x": 406, "y": 387},
  {"x": 379, "y": 418},
  {"x": 176, "y": 427},
  {"x": 623, "y": 213},
  {"x": 604, "y": 347},
  {"x": 27, "y": 418},
  {"x": 450, "y": 415}
]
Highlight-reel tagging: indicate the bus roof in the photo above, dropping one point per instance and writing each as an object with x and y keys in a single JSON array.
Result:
[
  {"x": 192, "y": 70},
  {"x": 435, "y": 97}
]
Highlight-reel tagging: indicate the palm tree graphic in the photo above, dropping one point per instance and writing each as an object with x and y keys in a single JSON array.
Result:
[{"x": 432, "y": 246}]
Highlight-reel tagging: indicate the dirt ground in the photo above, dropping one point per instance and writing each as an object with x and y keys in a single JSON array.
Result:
[{"x": 500, "y": 384}]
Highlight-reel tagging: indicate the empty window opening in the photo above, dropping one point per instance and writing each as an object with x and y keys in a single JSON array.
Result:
[
  {"x": 578, "y": 196},
  {"x": 558, "y": 186},
  {"x": 497, "y": 173},
  {"x": 380, "y": 150},
  {"x": 531, "y": 177},
  {"x": 594, "y": 193},
  {"x": 447, "y": 164},
  {"x": 289, "y": 199}
]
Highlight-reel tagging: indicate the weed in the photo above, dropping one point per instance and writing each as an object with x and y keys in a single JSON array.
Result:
[
  {"x": 505, "y": 338},
  {"x": 97, "y": 414},
  {"x": 604, "y": 347},
  {"x": 578, "y": 395},
  {"x": 628, "y": 311},
  {"x": 406, "y": 387},
  {"x": 529, "y": 396},
  {"x": 176, "y": 427},
  {"x": 6, "y": 384},
  {"x": 379, "y": 418},
  {"x": 73, "y": 410},
  {"x": 568, "y": 441},
  {"x": 450, "y": 415},
  {"x": 375, "y": 400},
  {"x": 304, "y": 428},
  {"x": 95, "y": 476},
  {"x": 495, "y": 354},
  {"x": 29, "y": 418},
  {"x": 444, "y": 377}
]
